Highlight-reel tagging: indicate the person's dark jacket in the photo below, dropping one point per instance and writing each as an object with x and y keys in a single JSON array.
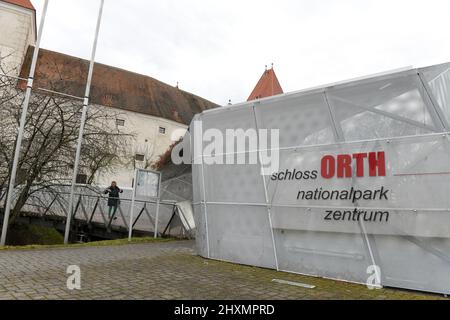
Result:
[{"x": 113, "y": 200}]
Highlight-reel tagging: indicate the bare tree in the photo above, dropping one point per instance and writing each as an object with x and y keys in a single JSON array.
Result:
[{"x": 50, "y": 138}]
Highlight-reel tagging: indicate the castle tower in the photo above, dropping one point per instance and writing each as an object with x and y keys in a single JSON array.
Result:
[
  {"x": 18, "y": 32},
  {"x": 267, "y": 86}
]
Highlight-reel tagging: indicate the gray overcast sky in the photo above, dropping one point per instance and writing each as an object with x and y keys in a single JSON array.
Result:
[{"x": 218, "y": 49}]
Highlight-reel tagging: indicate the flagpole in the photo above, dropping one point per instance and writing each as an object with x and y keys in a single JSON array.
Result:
[
  {"x": 23, "y": 119},
  {"x": 83, "y": 122}
]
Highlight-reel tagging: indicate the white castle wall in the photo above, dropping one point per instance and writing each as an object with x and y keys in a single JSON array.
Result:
[
  {"x": 149, "y": 141},
  {"x": 17, "y": 27}
]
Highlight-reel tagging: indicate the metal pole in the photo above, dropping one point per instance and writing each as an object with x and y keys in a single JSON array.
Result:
[
  {"x": 23, "y": 119},
  {"x": 205, "y": 207},
  {"x": 156, "y": 219},
  {"x": 196, "y": 144},
  {"x": 157, "y": 207},
  {"x": 133, "y": 198},
  {"x": 83, "y": 120},
  {"x": 266, "y": 193}
]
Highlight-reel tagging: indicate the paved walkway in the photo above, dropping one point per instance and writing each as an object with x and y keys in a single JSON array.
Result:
[{"x": 160, "y": 271}]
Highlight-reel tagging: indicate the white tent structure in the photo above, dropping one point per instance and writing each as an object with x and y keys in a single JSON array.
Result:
[{"x": 377, "y": 191}]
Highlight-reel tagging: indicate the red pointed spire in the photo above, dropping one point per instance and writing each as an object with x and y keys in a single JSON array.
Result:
[
  {"x": 267, "y": 86},
  {"x": 21, "y": 3}
]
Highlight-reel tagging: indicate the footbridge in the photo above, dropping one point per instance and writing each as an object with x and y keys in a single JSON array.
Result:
[{"x": 90, "y": 217}]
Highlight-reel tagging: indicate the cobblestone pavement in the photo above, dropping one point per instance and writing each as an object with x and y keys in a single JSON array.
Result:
[{"x": 168, "y": 270}]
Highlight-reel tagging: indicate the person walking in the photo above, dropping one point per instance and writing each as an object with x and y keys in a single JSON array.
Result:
[{"x": 113, "y": 198}]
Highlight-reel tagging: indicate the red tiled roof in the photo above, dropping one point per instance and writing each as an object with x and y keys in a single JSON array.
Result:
[
  {"x": 267, "y": 86},
  {"x": 113, "y": 87},
  {"x": 21, "y": 3}
]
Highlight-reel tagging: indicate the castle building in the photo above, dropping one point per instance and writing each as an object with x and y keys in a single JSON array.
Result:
[{"x": 156, "y": 113}]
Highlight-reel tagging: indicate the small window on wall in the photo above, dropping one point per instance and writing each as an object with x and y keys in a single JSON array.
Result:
[
  {"x": 82, "y": 179},
  {"x": 139, "y": 157},
  {"x": 162, "y": 130},
  {"x": 120, "y": 122}
]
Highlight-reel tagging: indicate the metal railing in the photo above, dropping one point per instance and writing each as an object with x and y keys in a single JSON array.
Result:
[{"x": 91, "y": 207}]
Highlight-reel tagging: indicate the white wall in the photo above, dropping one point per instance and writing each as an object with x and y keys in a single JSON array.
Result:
[
  {"x": 148, "y": 142},
  {"x": 17, "y": 32}
]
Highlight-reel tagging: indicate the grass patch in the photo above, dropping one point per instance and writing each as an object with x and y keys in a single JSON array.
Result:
[
  {"x": 26, "y": 234},
  {"x": 119, "y": 242}
]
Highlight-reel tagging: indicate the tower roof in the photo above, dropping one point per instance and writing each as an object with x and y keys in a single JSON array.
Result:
[
  {"x": 21, "y": 3},
  {"x": 267, "y": 86}
]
